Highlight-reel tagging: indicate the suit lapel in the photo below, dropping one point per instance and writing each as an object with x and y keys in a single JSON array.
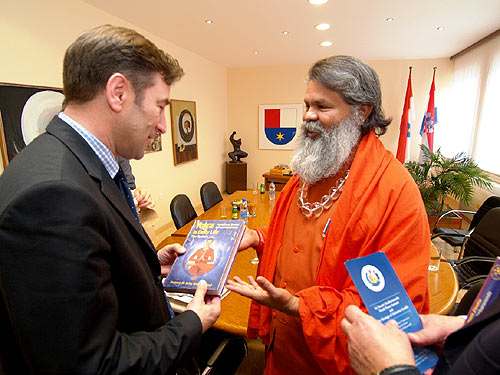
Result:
[{"x": 84, "y": 153}]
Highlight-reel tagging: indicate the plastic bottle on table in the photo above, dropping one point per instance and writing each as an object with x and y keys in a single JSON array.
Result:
[
  {"x": 272, "y": 191},
  {"x": 234, "y": 213},
  {"x": 262, "y": 188},
  {"x": 244, "y": 210}
]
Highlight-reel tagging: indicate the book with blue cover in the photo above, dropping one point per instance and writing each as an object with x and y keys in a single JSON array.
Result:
[
  {"x": 385, "y": 298},
  {"x": 211, "y": 248},
  {"x": 489, "y": 292}
]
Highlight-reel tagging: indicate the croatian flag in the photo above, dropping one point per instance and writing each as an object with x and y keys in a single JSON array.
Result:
[
  {"x": 429, "y": 121},
  {"x": 278, "y": 125},
  {"x": 408, "y": 116}
]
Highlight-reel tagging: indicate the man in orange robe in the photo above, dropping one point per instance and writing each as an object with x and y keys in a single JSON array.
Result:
[{"x": 349, "y": 198}]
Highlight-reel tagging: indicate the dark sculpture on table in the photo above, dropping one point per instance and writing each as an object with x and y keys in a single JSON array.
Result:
[{"x": 236, "y": 154}]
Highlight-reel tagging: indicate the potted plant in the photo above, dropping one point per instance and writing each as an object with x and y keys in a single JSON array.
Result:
[{"x": 438, "y": 176}]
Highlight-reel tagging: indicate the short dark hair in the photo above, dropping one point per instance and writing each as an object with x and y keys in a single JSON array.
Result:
[
  {"x": 105, "y": 50},
  {"x": 357, "y": 83}
]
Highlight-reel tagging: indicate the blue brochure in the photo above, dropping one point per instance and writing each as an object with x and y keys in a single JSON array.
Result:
[{"x": 385, "y": 298}]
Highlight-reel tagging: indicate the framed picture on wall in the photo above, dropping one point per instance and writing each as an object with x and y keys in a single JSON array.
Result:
[
  {"x": 25, "y": 112},
  {"x": 184, "y": 130}
]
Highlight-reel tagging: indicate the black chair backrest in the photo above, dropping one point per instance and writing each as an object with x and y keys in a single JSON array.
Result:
[
  {"x": 210, "y": 195},
  {"x": 182, "y": 210},
  {"x": 487, "y": 205},
  {"x": 485, "y": 240}
]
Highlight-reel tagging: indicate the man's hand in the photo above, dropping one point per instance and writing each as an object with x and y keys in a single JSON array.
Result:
[
  {"x": 250, "y": 239},
  {"x": 436, "y": 328},
  {"x": 143, "y": 198},
  {"x": 265, "y": 293},
  {"x": 372, "y": 345},
  {"x": 167, "y": 255},
  {"x": 206, "y": 307}
]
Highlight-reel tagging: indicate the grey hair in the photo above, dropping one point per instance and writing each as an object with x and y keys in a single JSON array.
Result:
[{"x": 357, "y": 83}]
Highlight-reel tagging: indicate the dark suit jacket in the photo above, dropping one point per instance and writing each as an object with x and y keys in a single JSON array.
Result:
[
  {"x": 474, "y": 349},
  {"x": 79, "y": 280}
]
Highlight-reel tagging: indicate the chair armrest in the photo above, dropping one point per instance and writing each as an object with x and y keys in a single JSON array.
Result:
[
  {"x": 472, "y": 280},
  {"x": 454, "y": 212},
  {"x": 438, "y": 235},
  {"x": 474, "y": 258}
]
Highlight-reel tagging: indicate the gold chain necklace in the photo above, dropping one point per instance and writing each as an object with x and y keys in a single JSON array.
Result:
[{"x": 315, "y": 209}]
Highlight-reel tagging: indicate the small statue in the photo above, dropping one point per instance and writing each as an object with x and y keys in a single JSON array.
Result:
[{"x": 236, "y": 154}]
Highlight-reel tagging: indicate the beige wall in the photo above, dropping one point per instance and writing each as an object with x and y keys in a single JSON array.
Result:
[
  {"x": 249, "y": 87},
  {"x": 34, "y": 35}
]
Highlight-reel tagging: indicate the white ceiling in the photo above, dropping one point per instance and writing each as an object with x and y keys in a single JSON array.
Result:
[{"x": 359, "y": 27}]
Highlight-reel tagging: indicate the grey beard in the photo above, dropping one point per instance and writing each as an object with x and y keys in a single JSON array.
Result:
[{"x": 325, "y": 155}]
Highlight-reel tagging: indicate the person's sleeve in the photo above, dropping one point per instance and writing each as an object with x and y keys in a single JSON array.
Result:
[
  {"x": 481, "y": 355},
  {"x": 402, "y": 233},
  {"x": 56, "y": 265},
  {"x": 127, "y": 171}
]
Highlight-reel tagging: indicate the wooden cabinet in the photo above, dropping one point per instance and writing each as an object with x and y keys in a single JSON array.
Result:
[
  {"x": 236, "y": 176},
  {"x": 279, "y": 180}
]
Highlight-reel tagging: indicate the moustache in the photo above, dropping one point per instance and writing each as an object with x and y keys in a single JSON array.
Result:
[{"x": 314, "y": 126}]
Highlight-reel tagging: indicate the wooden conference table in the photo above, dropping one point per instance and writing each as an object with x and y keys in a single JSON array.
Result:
[
  {"x": 234, "y": 308},
  {"x": 443, "y": 285}
]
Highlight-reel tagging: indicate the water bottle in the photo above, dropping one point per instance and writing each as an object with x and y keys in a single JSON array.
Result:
[
  {"x": 244, "y": 210},
  {"x": 272, "y": 191}
]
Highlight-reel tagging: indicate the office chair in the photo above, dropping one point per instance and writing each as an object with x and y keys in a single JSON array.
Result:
[
  {"x": 480, "y": 250},
  {"x": 182, "y": 210},
  {"x": 219, "y": 353},
  {"x": 458, "y": 237},
  {"x": 210, "y": 195}
]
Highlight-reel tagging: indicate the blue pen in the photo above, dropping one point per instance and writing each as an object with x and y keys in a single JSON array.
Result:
[{"x": 326, "y": 227}]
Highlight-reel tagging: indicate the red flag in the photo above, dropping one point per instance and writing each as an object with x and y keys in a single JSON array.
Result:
[
  {"x": 408, "y": 116},
  {"x": 430, "y": 119}
]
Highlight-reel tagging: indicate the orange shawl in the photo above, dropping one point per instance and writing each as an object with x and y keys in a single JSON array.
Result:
[{"x": 380, "y": 209}]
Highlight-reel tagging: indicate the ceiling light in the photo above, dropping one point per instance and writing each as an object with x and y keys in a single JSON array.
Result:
[
  {"x": 209, "y": 22},
  {"x": 326, "y": 44},
  {"x": 322, "y": 26},
  {"x": 317, "y": 2},
  {"x": 285, "y": 32},
  {"x": 255, "y": 52},
  {"x": 440, "y": 28},
  {"x": 390, "y": 19}
]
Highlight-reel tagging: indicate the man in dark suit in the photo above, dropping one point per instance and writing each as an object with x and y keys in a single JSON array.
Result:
[
  {"x": 80, "y": 281},
  {"x": 469, "y": 349}
]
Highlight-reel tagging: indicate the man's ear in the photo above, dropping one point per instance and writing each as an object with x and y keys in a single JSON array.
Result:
[
  {"x": 366, "y": 109},
  {"x": 117, "y": 91}
]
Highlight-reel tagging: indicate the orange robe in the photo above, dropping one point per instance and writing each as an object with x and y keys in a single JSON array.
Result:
[{"x": 380, "y": 209}]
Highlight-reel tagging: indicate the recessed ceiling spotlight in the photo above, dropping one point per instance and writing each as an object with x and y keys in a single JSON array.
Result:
[
  {"x": 317, "y": 2},
  {"x": 322, "y": 26},
  {"x": 255, "y": 52},
  {"x": 390, "y": 19},
  {"x": 326, "y": 44},
  {"x": 209, "y": 22},
  {"x": 440, "y": 28},
  {"x": 285, "y": 32}
]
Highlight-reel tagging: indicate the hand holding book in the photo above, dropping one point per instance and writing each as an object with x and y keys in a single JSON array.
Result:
[{"x": 167, "y": 256}]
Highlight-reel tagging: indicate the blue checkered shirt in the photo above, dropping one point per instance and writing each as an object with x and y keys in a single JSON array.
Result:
[{"x": 103, "y": 153}]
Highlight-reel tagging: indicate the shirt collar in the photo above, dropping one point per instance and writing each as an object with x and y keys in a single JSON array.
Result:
[{"x": 103, "y": 153}]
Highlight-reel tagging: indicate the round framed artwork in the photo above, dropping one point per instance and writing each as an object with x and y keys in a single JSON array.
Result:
[{"x": 186, "y": 125}]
